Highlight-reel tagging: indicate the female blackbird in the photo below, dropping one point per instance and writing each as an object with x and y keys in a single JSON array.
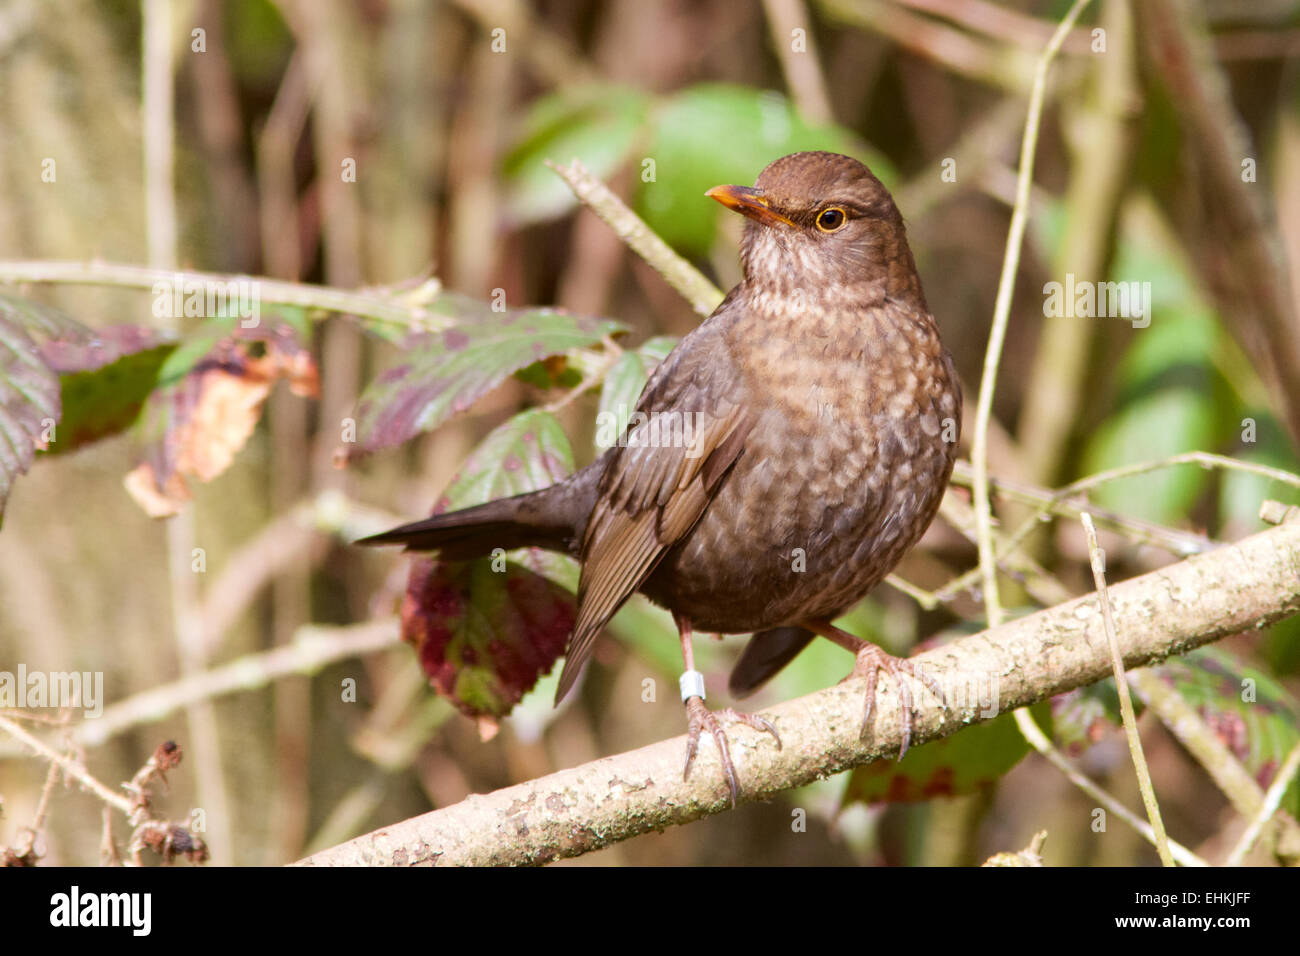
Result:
[{"x": 826, "y": 415}]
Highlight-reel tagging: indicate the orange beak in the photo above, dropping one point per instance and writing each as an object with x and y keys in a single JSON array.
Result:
[{"x": 748, "y": 202}]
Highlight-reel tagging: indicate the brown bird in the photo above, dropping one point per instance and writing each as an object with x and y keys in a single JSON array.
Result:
[{"x": 825, "y": 416}]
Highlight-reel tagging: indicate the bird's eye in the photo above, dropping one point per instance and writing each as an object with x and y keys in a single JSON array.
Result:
[{"x": 831, "y": 218}]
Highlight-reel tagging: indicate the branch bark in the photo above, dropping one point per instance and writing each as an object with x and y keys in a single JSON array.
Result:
[{"x": 1238, "y": 587}]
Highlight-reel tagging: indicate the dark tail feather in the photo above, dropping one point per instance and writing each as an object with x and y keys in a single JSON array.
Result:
[
  {"x": 765, "y": 654},
  {"x": 518, "y": 522}
]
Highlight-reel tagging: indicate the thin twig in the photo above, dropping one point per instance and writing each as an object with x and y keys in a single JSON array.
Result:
[
  {"x": 158, "y": 76},
  {"x": 1272, "y": 799},
  {"x": 702, "y": 294},
  {"x": 1001, "y": 313},
  {"x": 313, "y": 647},
  {"x": 1174, "y": 540},
  {"x": 69, "y": 766},
  {"x": 1098, "y": 560},
  {"x": 1204, "y": 459},
  {"x": 1234, "y": 780},
  {"x": 379, "y": 305},
  {"x": 975, "y": 57},
  {"x": 802, "y": 67},
  {"x": 1038, "y": 740},
  {"x": 1044, "y": 588},
  {"x": 999, "y": 23}
]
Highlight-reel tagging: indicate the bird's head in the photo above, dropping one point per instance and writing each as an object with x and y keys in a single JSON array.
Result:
[{"x": 824, "y": 219}]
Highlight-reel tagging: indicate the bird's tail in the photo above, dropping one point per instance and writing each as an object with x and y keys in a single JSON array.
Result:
[
  {"x": 538, "y": 519},
  {"x": 765, "y": 654}
]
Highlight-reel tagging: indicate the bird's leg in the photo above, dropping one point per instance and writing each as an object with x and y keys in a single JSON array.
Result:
[
  {"x": 699, "y": 718},
  {"x": 869, "y": 660}
]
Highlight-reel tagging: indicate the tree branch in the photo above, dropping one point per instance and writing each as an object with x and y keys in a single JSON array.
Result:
[
  {"x": 1238, "y": 587},
  {"x": 382, "y": 305},
  {"x": 702, "y": 294}
]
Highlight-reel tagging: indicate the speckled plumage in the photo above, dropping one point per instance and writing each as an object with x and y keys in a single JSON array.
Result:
[{"x": 827, "y": 412}]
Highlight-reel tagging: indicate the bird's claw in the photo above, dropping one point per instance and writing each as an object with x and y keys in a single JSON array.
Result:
[
  {"x": 699, "y": 718},
  {"x": 869, "y": 662}
]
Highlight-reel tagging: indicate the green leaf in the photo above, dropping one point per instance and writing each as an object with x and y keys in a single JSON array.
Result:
[
  {"x": 623, "y": 385},
  {"x": 105, "y": 382},
  {"x": 195, "y": 347},
  {"x": 713, "y": 134},
  {"x": 597, "y": 125},
  {"x": 1250, "y": 713},
  {"x": 445, "y": 372},
  {"x": 528, "y": 452}
]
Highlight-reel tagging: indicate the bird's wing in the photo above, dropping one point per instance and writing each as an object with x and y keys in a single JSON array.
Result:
[{"x": 654, "y": 491}]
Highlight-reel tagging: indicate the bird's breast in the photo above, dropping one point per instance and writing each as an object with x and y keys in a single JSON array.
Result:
[{"x": 852, "y": 445}]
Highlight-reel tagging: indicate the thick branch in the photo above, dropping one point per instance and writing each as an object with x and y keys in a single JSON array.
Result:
[{"x": 1238, "y": 587}]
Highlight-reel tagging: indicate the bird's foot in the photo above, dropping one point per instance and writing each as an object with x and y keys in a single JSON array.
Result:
[
  {"x": 699, "y": 718},
  {"x": 870, "y": 660}
]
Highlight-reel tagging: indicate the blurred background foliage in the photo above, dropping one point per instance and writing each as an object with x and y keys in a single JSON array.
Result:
[{"x": 448, "y": 112}]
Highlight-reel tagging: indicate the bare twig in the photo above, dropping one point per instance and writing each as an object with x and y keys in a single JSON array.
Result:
[
  {"x": 978, "y": 58},
  {"x": 1236, "y": 782},
  {"x": 1268, "y": 806},
  {"x": 1041, "y": 585},
  {"x": 1001, "y": 312},
  {"x": 380, "y": 305},
  {"x": 69, "y": 766},
  {"x": 313, "y": 647},
  {"x": 702, "y": 294},
  {"x": 802, "y": 67},
  {"x": 1099, "y": 180},
  {"x": 1174, "y": 540},
  {"x": 1038, "y": 740},
  {"x": 1098, "y": 560},
  {"x": 1000, "y": 23}
]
